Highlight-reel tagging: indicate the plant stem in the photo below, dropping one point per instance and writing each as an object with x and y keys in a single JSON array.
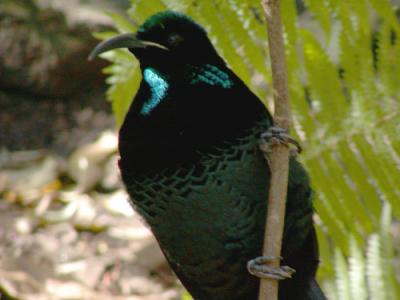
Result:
[{"x": 280, "y": 153}]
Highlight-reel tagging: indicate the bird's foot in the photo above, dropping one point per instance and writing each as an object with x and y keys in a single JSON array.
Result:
[
  {"x": 259, "y": 268},
  {"x": 276, "y": 135}
]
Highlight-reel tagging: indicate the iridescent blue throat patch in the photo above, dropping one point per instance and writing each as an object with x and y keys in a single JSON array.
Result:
[
  {"x": 211, "y": 75},
  {"x": 158, "y": 88}
]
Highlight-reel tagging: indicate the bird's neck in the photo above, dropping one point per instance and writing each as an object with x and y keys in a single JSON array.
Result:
[
  {"x": 178, "y": 117},
  {"x": 159, "y": 80},
  {"x": 158, "y": 85},
  {"x": 214, "y": 72},
  {"x": 209, "y": 74}
]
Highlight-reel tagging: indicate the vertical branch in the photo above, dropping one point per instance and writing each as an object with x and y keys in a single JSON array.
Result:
[{"x": 280, "y": 153}]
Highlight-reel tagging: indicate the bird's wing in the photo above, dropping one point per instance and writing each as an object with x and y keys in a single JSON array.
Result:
[{"x": 212, "y": 232}]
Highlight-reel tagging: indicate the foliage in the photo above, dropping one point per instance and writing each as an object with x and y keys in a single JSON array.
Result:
[
  {"x": 366, "y": 276},
  {"x": 343, "y": 78}
]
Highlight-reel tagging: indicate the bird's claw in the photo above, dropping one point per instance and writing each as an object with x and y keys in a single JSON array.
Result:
[
  {"x": 276, "y": 135},
  {"x": 259, "y": 268}
]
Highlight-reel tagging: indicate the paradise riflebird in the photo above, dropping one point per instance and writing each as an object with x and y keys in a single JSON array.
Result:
[{"x": 191, "y": 163}]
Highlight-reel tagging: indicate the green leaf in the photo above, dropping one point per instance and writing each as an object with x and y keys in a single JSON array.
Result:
[
  {"x": 342, "y": 277},
  {"x": 121, "y": 23},
  {"x": 124, "y": 78},
  {"x": 374, "y": 270},
  {"x": 358, "y": 286}
]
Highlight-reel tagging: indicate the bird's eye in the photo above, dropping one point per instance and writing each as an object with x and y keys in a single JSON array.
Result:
[{"x": 175, "y": 39}]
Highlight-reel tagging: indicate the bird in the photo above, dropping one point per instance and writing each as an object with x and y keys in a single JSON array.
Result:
[{"x": 191, "y": 162}]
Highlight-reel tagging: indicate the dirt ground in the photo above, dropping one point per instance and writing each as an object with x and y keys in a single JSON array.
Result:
[{"x": 67, "y": 230}]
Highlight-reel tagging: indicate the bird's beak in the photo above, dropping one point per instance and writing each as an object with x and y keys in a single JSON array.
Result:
[{"x": 126, "y": 40}]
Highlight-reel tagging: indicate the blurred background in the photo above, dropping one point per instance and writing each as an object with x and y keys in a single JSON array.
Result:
[{"x": 66, "y": 229}]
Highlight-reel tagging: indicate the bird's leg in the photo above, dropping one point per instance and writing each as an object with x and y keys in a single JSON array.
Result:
[
  {"x": 259, "y": 268},
  {"x": 276, "y": 135}
]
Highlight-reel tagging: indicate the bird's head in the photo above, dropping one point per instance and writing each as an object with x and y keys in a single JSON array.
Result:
[{"x": 164, "y": 40}]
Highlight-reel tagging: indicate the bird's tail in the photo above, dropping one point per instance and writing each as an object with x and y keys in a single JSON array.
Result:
[{"x": 314, "y": 291}]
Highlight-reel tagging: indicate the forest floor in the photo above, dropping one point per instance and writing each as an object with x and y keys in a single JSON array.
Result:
[{"x": 66, "y": 228}]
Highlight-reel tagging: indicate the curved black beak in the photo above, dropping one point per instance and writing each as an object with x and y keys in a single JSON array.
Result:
[{"x": 126, "y": 40}]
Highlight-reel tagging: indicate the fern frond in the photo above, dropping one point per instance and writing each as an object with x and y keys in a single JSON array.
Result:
[
  {"x": 358, "y": 287},
  {"x": 124, "y": 78},
  {"x": 376, "y": 284},
  {"x": 342, "y": 277}
]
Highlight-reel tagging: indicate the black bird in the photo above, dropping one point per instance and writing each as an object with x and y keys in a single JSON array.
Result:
[{"x": 191, "y": 162}]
